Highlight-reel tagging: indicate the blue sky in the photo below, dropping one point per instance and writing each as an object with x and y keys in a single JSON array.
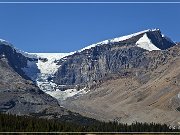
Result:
[{"x": 70, "y": 27}]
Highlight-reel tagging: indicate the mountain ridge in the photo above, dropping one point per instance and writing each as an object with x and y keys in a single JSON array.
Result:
[{"x": 126, "y": 47}]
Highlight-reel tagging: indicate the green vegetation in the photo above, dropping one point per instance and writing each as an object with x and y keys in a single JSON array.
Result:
[{"x": 14, "y": 123}]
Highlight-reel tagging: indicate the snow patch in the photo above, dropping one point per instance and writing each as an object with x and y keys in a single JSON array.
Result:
[
  {"x": 131, "y": 35},
  {"x": 51, "y": 56},
  {"x": 2, "y": 40},
  {"x": 26, "y": 54},
  {"x": 145, "y": 43},
  {"x": 117, "y": 39},
  {"x": 179, "y": 95},
  {"x": 94, "y": 45}
]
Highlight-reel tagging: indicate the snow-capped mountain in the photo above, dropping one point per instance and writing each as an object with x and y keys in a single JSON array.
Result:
[
  {"x": 48, "y": 78},
  {"x": 137, "y": 72},
  {"x": 145, "y": 39},
  {"x": 52, "y": 74},
  {"x": 118, "y": 39},
  {"x": 97, "y": 61}
]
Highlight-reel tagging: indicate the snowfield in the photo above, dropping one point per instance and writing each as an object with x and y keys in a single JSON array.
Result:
[
  {"x": 117, "y": 39},
  {"x": 145, "y": 43},
  {"x": 50, "y": 66}
]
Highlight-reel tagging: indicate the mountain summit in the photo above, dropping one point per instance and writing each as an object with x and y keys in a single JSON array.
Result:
[
  {"x": 152, "y": 37},
  {"x": 97, "y": 61}
]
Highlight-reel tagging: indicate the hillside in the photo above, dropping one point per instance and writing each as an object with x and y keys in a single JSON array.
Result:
[{"x": 150, "y": 95}]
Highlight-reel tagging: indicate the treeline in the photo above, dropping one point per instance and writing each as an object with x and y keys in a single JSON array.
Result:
[{"x": 12, "y": 123}]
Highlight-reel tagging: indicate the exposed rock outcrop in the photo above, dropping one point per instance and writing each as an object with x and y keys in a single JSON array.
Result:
[{"x": 106, "y": 60}]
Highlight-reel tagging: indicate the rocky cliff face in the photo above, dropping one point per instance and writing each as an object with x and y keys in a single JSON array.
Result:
[
  {"x": 126, "y": 81},
  {"x": 118, "y": 58},
  {"x": 152, "y": 94},
  {"x": 16, "y": 59},
  {"x": 18, "y": 94}
]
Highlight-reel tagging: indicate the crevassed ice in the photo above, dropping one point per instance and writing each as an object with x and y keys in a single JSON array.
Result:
[{"x": 47, "y": 69}]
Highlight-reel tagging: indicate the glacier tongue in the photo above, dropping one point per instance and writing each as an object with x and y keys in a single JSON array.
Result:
[
  {"x": 47, "y": 65},
  {"x": 63, "y": 95},
  {"x": 145, "y": 43}
]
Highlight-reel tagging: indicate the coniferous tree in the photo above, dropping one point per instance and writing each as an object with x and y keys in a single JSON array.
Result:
[{"x": 13, "y": 123}]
